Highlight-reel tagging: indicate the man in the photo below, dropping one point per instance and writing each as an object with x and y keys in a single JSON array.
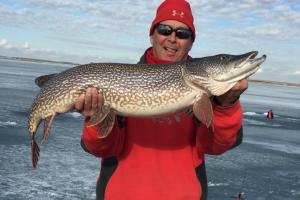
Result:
[{"x": 162, "y": 158}]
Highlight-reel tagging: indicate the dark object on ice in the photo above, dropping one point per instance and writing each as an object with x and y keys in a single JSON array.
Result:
[
  {"x": 270, "y": 114},
  {"x": 238, "y": 197}
]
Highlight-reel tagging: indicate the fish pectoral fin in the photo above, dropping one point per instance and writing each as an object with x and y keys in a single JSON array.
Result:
[
  {"x": 105, "y": 127},
  {"x": 47, "y": 125},
  {"x": 99, "y": 115},
  {"x": 218, "y": 88},
  {"x": 35, "y": 153},
  {"x": 202, "y": 109}
]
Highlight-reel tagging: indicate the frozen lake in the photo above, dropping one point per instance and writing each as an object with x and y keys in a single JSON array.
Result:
[{"x": 264, "y": 167}]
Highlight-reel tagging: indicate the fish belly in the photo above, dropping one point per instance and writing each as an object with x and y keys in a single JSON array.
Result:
[{"x": 155, "y": 106}]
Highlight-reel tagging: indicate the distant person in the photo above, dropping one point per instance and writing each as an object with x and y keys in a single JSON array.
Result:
[
  {"x": 162, "y": 158},
  {"x": 238, "y": 197},
  {"x": 270, "y": 114}
]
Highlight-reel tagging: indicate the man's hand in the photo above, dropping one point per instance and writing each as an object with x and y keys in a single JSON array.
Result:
[
  {"x": 88, "y": 102},
  {"x": 233, "y": 94}
]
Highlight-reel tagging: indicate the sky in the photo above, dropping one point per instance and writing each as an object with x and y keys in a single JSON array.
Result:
[{"x": 85, "y": 31}]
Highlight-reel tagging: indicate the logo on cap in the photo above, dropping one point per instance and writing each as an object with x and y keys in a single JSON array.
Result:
[{"x": 174, "y": 13}]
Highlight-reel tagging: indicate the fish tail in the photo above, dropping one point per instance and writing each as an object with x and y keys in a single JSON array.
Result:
[{"x": 35, "y": 153}]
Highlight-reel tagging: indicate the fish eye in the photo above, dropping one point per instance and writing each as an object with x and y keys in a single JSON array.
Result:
[{"x": 223, "y": 57}]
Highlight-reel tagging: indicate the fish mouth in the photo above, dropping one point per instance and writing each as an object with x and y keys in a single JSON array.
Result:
[
  {"x": 252, "y": 55},
  {"x": 243, "y": 67},
  {"x": 252, "y": 59}
]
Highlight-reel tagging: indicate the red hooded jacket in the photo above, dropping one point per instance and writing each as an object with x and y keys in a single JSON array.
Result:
[{"x": 161, "y": 158}]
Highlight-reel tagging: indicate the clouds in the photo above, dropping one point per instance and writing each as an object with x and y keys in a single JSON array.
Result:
[
  {"x": 242, "y": 13},
  {"x": 118, "y": 30},
  {"x": 5, "y": 45},
  {"x": 275, "y": 20},
  {"x": 80, "y": 15},
  {"x": 26, "y": 50},
  {"x": 262, "y": 18}
]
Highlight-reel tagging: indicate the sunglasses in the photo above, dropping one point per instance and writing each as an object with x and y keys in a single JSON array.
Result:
[{"x": 181, "y": 33}]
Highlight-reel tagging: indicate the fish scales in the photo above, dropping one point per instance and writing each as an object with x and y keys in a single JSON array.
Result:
[
  {"x": 140, "y": 90},
  {"x": 135, "y": 86},
  {"x": 129, "y": 88}
]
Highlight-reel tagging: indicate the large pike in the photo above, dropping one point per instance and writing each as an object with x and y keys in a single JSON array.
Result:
[{"x": 139, "y": 90}]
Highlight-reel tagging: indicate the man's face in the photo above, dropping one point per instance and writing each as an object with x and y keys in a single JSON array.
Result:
[{"x": 170, "y": 47}]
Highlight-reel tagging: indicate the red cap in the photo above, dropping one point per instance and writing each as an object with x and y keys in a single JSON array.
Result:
[{"x": 178, "y": 10}]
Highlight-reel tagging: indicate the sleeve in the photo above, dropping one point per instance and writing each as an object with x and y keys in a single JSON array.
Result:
[
  {"x": 112, "y": 145},
  {"x": 227, "y": 132}
]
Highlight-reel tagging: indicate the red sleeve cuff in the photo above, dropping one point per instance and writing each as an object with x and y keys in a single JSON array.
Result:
[
  {"x": 111, "y": 145},
  {"x": 227, "y": 122}
]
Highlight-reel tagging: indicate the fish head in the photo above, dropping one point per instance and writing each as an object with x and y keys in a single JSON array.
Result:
[{"x": 219, "y": 73}]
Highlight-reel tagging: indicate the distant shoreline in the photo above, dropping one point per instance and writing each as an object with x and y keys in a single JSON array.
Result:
[
  {"x": 72, "y": 63},
  {"x": 36, "y": 60},
  {"x": 275, "y": 83}
]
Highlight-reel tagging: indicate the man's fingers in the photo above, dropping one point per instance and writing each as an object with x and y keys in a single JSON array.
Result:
[
  {"x": 233, "y": 94},
  {"x": 80, "y": 103},
  {"x": 100, "y": 100},
  {"x": 88, "y": 100},
  {"x": 241, "y": 85},
  {"x": 94, "y": 99}
]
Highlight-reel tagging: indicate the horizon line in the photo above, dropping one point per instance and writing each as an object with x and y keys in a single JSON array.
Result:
[{"x": 72, "y": 63}]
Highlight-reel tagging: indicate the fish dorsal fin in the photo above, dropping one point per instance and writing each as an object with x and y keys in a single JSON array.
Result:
[
  {"x": 202, "y": 109},
  {"x": 105, "y": 127},
  {"x": 99, "y": 115},
  {"x": 41, "y": 80}
]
